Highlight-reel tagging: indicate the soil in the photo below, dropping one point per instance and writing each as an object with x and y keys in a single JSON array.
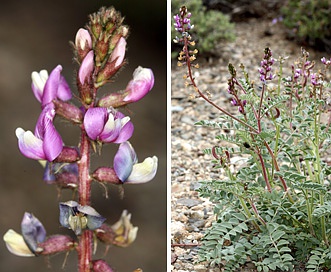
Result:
[{"x": 191, "y": 215}]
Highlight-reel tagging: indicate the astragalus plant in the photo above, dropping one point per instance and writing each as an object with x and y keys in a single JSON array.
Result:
[{"x": 273, "y": 210}]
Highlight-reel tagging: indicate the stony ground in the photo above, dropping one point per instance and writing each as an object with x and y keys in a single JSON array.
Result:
[{"x": 191, "y": 214}]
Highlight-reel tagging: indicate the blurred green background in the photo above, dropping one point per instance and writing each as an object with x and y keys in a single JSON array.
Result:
[{"x": 35, "y": 35}]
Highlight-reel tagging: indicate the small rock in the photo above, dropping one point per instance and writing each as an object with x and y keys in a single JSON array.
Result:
[
  {"x": 197, "y": 215},
  {"x": 188, "y": 202}
]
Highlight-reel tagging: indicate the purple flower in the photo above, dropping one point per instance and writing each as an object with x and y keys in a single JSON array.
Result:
[
  {"x": 128, "y": 170},
  {"x": 142, "y": 83},
  {"x": 77, "y": 217},
  {"x": 325, "y": 61},
  {"x": 46, "y": 143},
  {"x": 107, "y": 125},
  {"x": 33, "y": 233},
  {"x": 47, "y": 88},
  {"x": 316, "y": 79}
]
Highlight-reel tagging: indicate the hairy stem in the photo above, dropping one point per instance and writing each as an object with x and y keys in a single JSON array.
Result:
[{"x": 86, "y": 239}]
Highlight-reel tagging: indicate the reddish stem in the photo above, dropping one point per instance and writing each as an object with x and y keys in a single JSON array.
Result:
[
  {"x": 188, "y": 64},
  {"x": 86, "y": 239},
  {"x": 264, "y": 172}
]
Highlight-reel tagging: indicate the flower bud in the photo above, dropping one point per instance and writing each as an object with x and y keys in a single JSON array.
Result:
[
  {"x": 105, "y": 234},
  {"x": 106, "y": 175},
  {"x": 64, "y": 175},
  {"x": 83, "y": 43},
  {"x": 68, "y": 111},
  {"x": 56, "y": 244},
  {"x": 108, "y": 39},
  {"x": 86, "y": 68},
  {"x": 68, "y": 154},
  {"x": 101, "y": 266},
  {"x": 101, "y": 50},
  {"x": 119, "y": 52},
  {"x": 114, "y": 100},
  {"x": 142, "y": 83}
]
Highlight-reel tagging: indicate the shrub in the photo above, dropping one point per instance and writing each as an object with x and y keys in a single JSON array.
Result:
[{"x": 309, "y": 22}]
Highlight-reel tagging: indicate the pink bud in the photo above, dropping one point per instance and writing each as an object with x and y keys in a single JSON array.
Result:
[
  {"x": 142, "y": 83},
  {"x": 101, "y": 266},
  {"x": 119, "y": 52},
  {"x": 83, "y": 40},
  {"x": 86, "y": 68},
  {"x": 56, "y": 244},
  {"x": 107, "y": 175}
]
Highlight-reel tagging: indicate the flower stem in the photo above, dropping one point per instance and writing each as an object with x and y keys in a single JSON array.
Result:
[
  {"x": 190, "y": 75},
  {"x": 85, "y": 251},
  {"x": 83, "y": 167},
  {"x": 86, "y": 242}
]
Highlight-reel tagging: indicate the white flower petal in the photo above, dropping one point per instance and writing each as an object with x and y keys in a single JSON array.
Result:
[
  {"x": 16, "y": 245},
  {"x": 144, "y": 171},
  {"x": 39, "y": 79}
]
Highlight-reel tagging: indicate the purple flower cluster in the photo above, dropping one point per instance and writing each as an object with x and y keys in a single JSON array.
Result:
[
  {"x": 316, "y": 79},
  {"x": 182, "y": 21},
  {"x": 100, "y": 52},
  {"x": 266, "y": 63}
]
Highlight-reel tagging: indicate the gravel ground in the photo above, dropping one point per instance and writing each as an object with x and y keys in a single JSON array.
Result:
[{"x": 191, "y": 214}]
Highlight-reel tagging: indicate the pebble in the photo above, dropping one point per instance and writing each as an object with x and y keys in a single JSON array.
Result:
[{"x": 188, "y": 202}]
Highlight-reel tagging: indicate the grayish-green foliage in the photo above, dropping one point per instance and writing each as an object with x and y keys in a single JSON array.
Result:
[{"x": 278, "y": 230}]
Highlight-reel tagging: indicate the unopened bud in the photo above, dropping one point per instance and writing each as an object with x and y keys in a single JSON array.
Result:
[
  {"x": 86, "y": 68},
  {"x": 101, "y": 266},
  {"x": 56, "y": 244},
  {"x": 68, "y": 111},
  {"x": 114, "y": 100},
  {"x": 68, "y": 154},
  {"x": 106, "y": 175},
  {"x": 83, "y": 43}
]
